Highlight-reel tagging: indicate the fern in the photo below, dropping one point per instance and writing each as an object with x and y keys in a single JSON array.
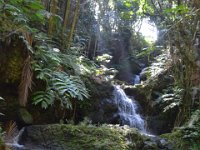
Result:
[
  {"x": 47, "y": 58},
  {"x": 61, "y": 87},
  {"x": 67, "y": 85},
  {"x": 44, "y": 98},
  {"x": 169, "y": 98},
  {"x": 61, "y": 74},
  {"x": 60, "y": 71},
  {"x": 17, "y": 15}
]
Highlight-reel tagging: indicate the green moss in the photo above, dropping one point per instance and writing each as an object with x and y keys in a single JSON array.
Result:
[
  {"x": 11, "y": 61},
  {"x": 177, "y": 140},
  {"x": 14, "y": 66},
  {"x": 25, "y": 116},
  {"x": 82, "y": 137},
  {"x": 102, "y": 138}
]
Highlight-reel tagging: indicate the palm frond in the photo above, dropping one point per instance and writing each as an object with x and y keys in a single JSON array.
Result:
[{"x": 26, "y": 81}]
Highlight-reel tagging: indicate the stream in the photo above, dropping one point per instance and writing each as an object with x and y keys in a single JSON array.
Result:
[{"x": 127, "y": 112}]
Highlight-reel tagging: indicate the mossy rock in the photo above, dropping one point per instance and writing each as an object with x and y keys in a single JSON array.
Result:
[
  {"x": 177, "y": 140},
  {"x": 25, "y": 117},
  {"x": 98, "y": 93},
  {"x": 11, "y": 60},
  {"x": 187, "y": 136},
  {"x": 82, "y": 137}
]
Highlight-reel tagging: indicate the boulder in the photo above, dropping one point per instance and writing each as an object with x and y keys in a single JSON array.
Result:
[{"x": 70, "y": 137}]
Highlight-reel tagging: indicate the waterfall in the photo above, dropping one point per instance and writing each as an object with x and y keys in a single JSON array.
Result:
[
  {"x": 127, "y": 109},
  {"x": 14, "y": 143},
  {"x": 136, "y": 79}
]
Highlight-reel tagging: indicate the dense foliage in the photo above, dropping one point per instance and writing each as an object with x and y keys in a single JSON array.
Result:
[
  {"x": 49, "y": 49},
  {"x": 27, "y": 20}
]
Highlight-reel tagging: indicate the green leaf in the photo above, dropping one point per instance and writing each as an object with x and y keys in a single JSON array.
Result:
[
  {"x": 40, "y": 15},
  {"x": 12, "y": 8},
  {"x": 44, "y": 98},
  {"x": 36, "y": 5},
  {"x": 44, "y": 105},
  {"x": 128, "y": 4}
]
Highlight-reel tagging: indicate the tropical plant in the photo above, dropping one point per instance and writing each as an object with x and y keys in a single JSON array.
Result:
[
  {"x": 18, "y": 21},
  {"x": 61, "y": 87},
  {"x": 18, "y": 16},
  {"x": 170, "y": 98},
  {"x": 60, "y": 72},
  {"x": 48, "y": 58},
  {"x": 180, "y": 21}
]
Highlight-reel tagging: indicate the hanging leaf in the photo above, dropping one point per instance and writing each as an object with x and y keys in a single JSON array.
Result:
[
  {"x": 44, "y": 98},
  {"x": 36, "y": 5},
  {"x": 1, "y": 98}
]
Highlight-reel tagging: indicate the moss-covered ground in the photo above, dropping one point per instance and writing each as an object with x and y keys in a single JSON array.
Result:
[{"x": 82, "y": 137}]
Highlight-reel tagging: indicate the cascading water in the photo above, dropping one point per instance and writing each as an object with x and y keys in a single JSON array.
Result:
[
  {"x": 127, "y": 109},
  {"x": 136, "y": 79},
  {"x": 14, "y": 142}
]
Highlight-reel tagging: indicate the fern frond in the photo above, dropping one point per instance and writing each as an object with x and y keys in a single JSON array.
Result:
[
  {"x": 72, "y": 85},
  {"x": 44, "y": 98},
  {"x": 63, "y": 87}
]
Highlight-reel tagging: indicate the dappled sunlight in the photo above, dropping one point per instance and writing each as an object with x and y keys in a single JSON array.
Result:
[
  {"x": 110, "y": 73},
  {"x": 148, "y": 30}
]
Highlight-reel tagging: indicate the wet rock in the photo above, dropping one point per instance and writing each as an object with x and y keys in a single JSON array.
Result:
[
  {"x": 99, "y": 92},
  {"x": 157, "y": 143},
  {"x": 150, "y": 145},
  {"x": 162, "y": 143},
  {"x": 144, "y": 74},
  {"x": 149, "y": 94},
  {"x": 105, "y": 112},
  {"x": 135, "y": 66},
  {"x": 119, "y": 109}
]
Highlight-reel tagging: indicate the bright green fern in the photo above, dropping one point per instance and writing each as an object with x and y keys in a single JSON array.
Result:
[{"x": 61, "y": 87}]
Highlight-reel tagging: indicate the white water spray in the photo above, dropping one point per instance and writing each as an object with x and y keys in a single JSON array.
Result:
[
  {"x": 14, "y": 143},
  {"x": 127, "y": 110}
]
